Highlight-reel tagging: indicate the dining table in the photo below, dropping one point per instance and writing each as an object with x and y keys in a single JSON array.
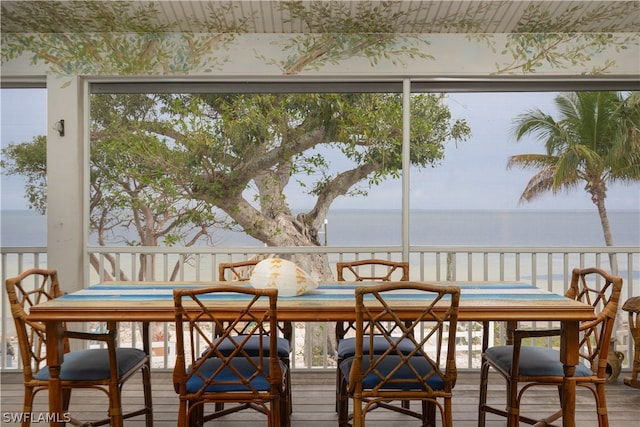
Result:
[{"x": 481, "y": 301}]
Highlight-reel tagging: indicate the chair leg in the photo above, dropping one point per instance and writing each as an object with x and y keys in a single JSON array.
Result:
[
  {"x": 338, "y": 380},
  {"x": 513, "y": 405},
  {"x": 358, "y": 413},
  {"x": 289, "y": 388},
  {"x": 601, "y": 405},
  {"x": 343, "y": 402},
  {"x": 115, "y": 405},
  {"x": 285, "y": 414},
  {"x": 428, "y": 413},
  {"x": 275, "y": 413},
  {"x": 66, "y": 398},
  {"x": 192, "y": 414},
  {"x": 183, "y": 414},
  {"x": 148, "y": 401},
  {"x": 447, "y": 413},
  {"x": 28, "y": 405},
  {"x": 482, "y": 401},
  {"x": 285, "y": 402}
]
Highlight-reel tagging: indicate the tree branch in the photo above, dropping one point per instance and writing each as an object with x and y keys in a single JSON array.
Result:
[{"x": 339, "y": 186}]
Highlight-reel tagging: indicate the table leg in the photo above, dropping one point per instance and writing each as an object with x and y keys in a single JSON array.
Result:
[
  {"x": 55, "y": 354},
  {"x": 146, "y": 339},
  {"x": 569, "y": 355}
]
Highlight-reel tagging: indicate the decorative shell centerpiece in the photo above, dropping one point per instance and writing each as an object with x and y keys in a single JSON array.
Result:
[{"x": 287, "y": 277}]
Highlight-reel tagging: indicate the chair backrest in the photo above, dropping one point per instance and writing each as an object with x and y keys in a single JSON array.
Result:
[
  {"x": 197, "y": 320},
  {"x": 357, "y": 270},
  {"x": 240, "y": 271},
  {"x": 601, "y": 290},
  {"x": 368, "y": 270},
  {"x": 436, "y": 320},
  {"x": 31, "y": 287}
]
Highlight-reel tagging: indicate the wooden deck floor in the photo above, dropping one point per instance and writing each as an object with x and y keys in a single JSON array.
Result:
[{"x": 313, "y": 400}]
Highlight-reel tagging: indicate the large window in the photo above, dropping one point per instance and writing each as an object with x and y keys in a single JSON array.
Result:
[
  {"x": 23, "y": 179},
  {"x": 230, "y": 158}
]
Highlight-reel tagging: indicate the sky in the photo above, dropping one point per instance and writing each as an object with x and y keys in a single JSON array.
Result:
[
  {"x": 472, "y": 176},
  {"x": 474, "y": 173},
  {"x": 22, "y": 116}
]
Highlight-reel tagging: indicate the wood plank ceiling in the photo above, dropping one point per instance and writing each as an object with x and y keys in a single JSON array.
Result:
[{"x": 406, "y": 16}]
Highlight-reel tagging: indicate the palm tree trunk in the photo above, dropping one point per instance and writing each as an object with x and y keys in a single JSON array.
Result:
[{"x": 598, "y": 198}]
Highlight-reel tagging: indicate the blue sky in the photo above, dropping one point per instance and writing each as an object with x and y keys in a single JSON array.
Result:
[
  {"x": 473, "y": 175},
  {"x": 476, "y": 170},
  {"x": 22, "y": 116}
]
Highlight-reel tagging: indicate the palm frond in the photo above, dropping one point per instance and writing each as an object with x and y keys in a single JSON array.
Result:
[
  {"x": 539, "y": 184},
  {"x": 595, "y": 139},
  {"x": 531, "y": 161}
]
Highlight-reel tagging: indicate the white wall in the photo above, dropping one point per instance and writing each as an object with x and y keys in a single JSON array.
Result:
[{"x": 65, "y": 182}]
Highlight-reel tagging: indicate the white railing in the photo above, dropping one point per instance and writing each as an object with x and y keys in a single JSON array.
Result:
[
  {"x": 13, "y": 261},
  {"x": 547, "y": 267}
]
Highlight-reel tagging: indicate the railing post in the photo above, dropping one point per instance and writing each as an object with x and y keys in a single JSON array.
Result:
[{"x": 451, "y": 266}]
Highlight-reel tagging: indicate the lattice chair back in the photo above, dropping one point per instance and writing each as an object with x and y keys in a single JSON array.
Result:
[
  {"x": 30, "y": 288},
  {"x": 393, "y": 270},
  {"x": 239, "y": 271},
  {"x": 601, "y": 290},
  {"x": 204, "y": 372},
  {"x": 428, "y": 371},
  {"x": 372, "y": 270}
]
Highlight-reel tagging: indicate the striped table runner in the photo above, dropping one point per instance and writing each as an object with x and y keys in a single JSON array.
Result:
[{"x": 328, "y": 291}]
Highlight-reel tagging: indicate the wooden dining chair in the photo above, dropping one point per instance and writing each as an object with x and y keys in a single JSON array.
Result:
[
  {"x": 361, "y": 271},
  {"x": 105, "y": 369},
  {"x": 373, "y": 270},
  {"x": 369, "y": 270},
  {"x": 240, "y": 271},
  {"x": 525, "y": 366},
  {"x": 632, "y": 307},
  {"x": 216, "y": 375},
  {"x": 426, "y": 374}
]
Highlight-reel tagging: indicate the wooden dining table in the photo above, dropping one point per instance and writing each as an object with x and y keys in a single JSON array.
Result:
[{"x": 153, "y": 301}]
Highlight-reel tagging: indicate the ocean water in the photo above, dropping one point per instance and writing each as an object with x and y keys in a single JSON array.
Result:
[
  {"x": 491, "y": 228},
  {"x": 427, "y": 227}
]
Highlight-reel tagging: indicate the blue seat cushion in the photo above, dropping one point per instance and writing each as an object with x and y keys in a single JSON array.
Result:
[
  {"x": 347, "y": 346},
  {"x": 419, "y": 363},
  {"x": 93, "y": 364},
  {"x": 534, "y": 361},
  {"x": 252, "y": 346},
  {"x": 227, "y": 380}
]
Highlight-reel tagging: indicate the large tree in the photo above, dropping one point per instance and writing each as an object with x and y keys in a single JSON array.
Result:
[
  {"x": 594, "y": 141},
  {"x": 243, "y": 152}
]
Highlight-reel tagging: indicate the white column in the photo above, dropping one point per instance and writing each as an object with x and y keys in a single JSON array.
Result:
[
  {"x": 406, "y": 165},
  {"x": 65, "y": 171}
]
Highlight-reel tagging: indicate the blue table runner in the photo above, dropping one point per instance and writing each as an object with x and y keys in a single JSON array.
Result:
[{"x": 329, "y": 291}]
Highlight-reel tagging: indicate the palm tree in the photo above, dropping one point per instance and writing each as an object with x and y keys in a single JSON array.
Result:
[{"x": 596, "y": 141}]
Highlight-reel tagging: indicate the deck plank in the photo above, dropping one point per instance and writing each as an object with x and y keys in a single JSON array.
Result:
[{"x": 313, "y": 400}]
